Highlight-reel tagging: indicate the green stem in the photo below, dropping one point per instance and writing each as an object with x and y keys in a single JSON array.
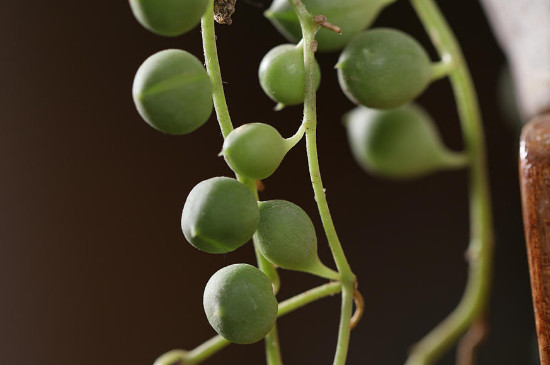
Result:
[
  {"x": 323, "y": 271},
  {"x": 272, "y": 347},
  {"x": 206, "y": 350},
  {"x": 267, "y": 268},
  {"x": 454, "y": 160},
  {"x": 217, "y": 343},
  {"x": 297, "y": 137},
  {"x": 224, "y": 120},
  {"x": 309, "y": 296},
  {"x": 476, "y": 296},
  {"x": 309, "y": 27},
  {"x": 271, "y": 341},
  {"x": 213, "y": 67},
  {"x": 442, "y": 68},
  {"x": 263, "y": 264}
]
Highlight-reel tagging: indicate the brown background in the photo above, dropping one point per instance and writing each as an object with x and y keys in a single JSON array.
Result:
[{"x": 93, "y": 266}]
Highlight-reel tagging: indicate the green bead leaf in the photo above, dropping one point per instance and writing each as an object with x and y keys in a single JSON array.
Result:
[
  {"x": 352, "y": 16},
  {"x": 400, "y": 143},
  {"x": 239, "y": 303},
  {"x": 383, "y": 68},
  {"x": 219, "y": 215},
  {"x": 172, "y": 92},
  {"x": 281, "y": 74},
  {"x": 254, "y": 150},
  {"x": 286, "y": 237},
  {"x": 169, "y": 18}
]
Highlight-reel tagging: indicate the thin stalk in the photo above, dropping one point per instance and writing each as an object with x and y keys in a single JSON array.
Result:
[
  {"x": 272, "y": 347},
  {"x": 321, "y": 270},
  {"x": 213, "y": 67},
  {"x": 309, "y": 296},
  {"x": 273, "y": 353},
  {"x": 217, "y": 343},
  {"x": 271, "y": 340},
  {"x": 442, "y": 68},
  {"x": 267, "y": 268},
  {"x": 263, "y": 264},
  {"x": 474, "y": 302},
  {"x": 207, "y": 349},
  {"x": 297, "y": 137},
  {"x": 309, "y": 27},
  {"x": 454, "y": 160}
]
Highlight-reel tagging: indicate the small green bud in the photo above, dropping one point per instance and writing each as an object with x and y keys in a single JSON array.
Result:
[
  {"x": 400, "y": 143},
  {"x": 281, "y": 74},
  {"x": 351, "y": 15},
  {"x": 172, "y": 92},
  {"x": 239, "y": 303},
  {"x": 219, "y": 215},
  {"x": 169, "y": 18},
  {"x": 254, "y": 150},
  {"x": 383, "y": 68},
  {"x": 286, "y": 237}
]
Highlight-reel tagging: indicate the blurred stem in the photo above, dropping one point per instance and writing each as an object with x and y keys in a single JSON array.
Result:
[
  {"x": 442, "y": 68},
  {"x": 309, "y": 28},
  {"x": 474, "y": 302},
  {"x": 470, "y": 342}
]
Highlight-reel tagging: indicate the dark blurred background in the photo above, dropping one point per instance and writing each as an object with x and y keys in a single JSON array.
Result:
[{"x": 93, "y": 266}]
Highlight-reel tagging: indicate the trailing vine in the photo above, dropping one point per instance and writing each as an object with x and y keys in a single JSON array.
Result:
[{"x": 389, "y": 135}]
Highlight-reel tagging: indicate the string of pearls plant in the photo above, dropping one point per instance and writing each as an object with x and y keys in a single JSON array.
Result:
[{"x": 381, "y": 70}]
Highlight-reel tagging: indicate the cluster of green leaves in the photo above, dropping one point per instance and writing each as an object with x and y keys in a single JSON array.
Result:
[{"x": 381, "y": 70}]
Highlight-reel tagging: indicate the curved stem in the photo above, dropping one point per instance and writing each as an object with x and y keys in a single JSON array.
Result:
[
  {"x": 469, "y": 343},
  {"x": 273, "y": 353},
  {"x": 309, "y": 27},
  {"x": 476, "y": 296},
  {"x": 442, "y": 68},
  {"x": 359, "y": 308},
  {"x": 321, "y": 270},
  {"x": 297, "y": 137}
]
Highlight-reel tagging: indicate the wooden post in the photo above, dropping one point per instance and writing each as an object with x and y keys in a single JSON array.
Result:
[{"x": 535, "y": 190}]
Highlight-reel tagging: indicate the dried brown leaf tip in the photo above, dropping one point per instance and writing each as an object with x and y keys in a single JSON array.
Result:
[{"x": 223, "y": 9}]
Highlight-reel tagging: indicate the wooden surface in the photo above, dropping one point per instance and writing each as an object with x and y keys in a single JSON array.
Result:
[{"x": 535, "y": 191}]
